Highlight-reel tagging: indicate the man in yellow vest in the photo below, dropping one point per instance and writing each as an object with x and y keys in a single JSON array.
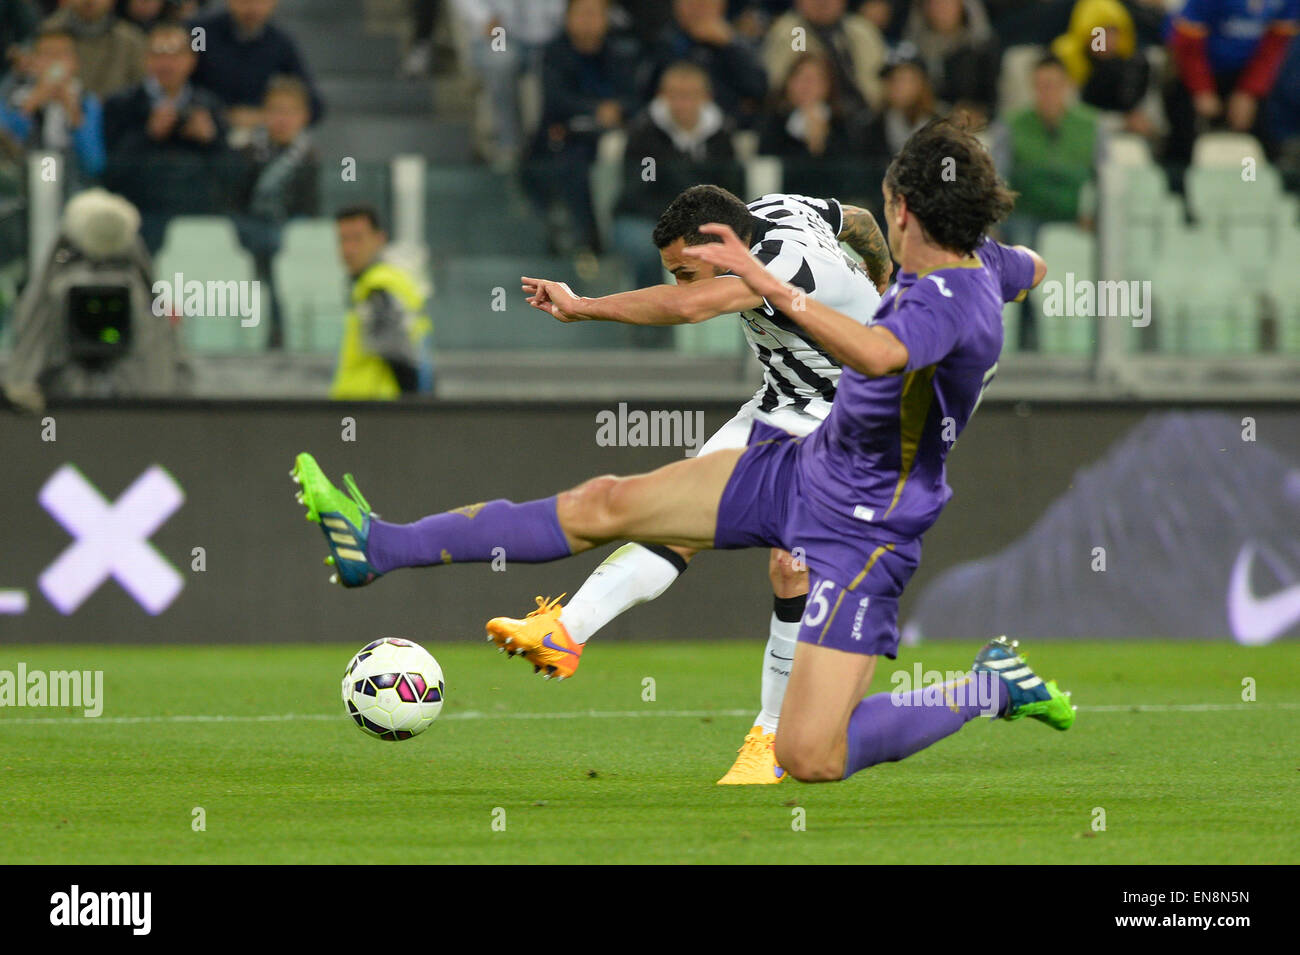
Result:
[{"x": 386, "y": 333}]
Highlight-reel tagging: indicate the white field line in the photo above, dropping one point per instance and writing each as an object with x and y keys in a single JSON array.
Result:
[{"x": 597, "y": 714}]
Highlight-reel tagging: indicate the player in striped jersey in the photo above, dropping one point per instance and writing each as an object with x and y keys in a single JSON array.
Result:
[
  {"x": 858, "y": 493},
  {"x": 798, "y": 238}
]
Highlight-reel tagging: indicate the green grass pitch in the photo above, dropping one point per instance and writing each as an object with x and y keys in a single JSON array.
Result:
[{"x": 588, "y": 771}]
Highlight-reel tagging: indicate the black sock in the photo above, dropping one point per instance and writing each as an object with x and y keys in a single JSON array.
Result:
[{"x": 789, "y": 609}]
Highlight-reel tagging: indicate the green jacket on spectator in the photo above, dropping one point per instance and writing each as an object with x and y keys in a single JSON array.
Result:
[{"x": 1050, "y": 166}]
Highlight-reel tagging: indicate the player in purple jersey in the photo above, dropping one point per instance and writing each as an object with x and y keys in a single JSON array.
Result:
[{"x": 856, "y": 495}]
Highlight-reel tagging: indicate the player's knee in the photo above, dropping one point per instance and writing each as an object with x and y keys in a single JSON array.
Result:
[
  {"x": 789, "y": 578},
  {"x": 621, "y": 498},
  {"x": 806, "y": 760},
  {"x": 587, "y": 511}
]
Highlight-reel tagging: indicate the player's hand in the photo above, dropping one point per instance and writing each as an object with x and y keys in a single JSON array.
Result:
[
  {"x": 732, "y": 255},
  {"x": 554, "y": 298},
  {"x": 1207, "y": 105},
  {"x": 1242, "y": 108}
]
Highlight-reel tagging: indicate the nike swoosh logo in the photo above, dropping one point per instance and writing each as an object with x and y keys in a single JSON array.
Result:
[
  {"x": 551, "y": 644},
  {"x": 1258, "y": 620},
  {"x": 777, "y": 656}
]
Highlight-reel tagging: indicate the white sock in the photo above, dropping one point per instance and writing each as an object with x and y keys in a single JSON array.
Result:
[
  {"x": 777, "y": 660},
  {"x": 631, "y": 575}
]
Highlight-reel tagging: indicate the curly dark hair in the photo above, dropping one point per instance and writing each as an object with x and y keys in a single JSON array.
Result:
[
  {"x": 697, "y": 206},
  {"x": 947, "y": 177}
]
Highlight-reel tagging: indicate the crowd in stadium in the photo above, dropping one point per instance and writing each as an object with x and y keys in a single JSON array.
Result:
[
  {"x": 119, "y": 88},
  {"x": 194, "y": 107},
  {"x": 825, "y": 81}
]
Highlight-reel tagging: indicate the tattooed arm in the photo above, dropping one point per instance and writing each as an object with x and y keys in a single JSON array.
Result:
[{"x": 864, "y": 237}]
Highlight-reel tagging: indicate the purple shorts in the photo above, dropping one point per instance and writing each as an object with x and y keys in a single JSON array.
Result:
[{"x": 854, "y": 581}]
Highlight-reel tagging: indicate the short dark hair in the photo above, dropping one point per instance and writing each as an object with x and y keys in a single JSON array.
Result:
[
  {"x": 361, "y": 210},
  {"x": 698, "y": 206},
  {"x": 948, "y": 179},
  {"x": 1052, "y": 60}
]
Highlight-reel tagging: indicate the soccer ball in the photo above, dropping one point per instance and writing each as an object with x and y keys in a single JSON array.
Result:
[{"x": 393, "y": 689}]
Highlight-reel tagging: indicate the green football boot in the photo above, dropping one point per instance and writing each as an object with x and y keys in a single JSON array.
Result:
[
  {"x": 344, "y": 518},
  {"x": 1027, "y": 694}
]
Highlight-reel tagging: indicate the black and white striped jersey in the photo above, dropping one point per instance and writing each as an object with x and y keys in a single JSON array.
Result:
[{"x": 795, "y": 237}]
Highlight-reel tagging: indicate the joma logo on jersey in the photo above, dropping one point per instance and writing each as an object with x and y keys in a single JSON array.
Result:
[
  {"x": 859, "y": 617},
  {"x": 650, "y": 429}
]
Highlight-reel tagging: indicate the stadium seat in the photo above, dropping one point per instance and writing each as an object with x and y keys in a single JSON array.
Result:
[
  {"x": 1128, "y": 149},
  {"x": 1284, "y": 290},
  {"x": 763, "y": 175},
  {"x": 721, "y": 336},
  {"x": 607, "y": 181},
  {"x": 745, "y": 143},
  {"x": 1225, "y": 150},
  {"x": 1247, "y": 215},
  {"x": 1071, "y": 251},
  {"x": 1015, "y": 88},
  {"x": 207, "y": 249},
  {"x": 312, "y": 286},
  {"x": 1202, "y": 309},
  {"x": 1011, "y": 326}
]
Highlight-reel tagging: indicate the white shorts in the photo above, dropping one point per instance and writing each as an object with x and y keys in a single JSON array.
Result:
[{"x": 735, "y": 433}]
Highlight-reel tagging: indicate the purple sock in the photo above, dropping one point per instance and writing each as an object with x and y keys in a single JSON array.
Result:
[
  {"x": 887, "y": 727},
  {"x": 529, "y": 533}
]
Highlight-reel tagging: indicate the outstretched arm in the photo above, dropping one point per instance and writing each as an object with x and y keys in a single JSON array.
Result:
[
  {"x": 868, "y": 349},
  {"x": 656, "y": 305},
  {"x": 1040, "y": 267},
  {"x": 864, "y": 237}
]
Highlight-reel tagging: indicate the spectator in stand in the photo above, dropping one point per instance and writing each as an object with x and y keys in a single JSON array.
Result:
[
  {"x": 813, "y": 131},
  {"x": 959, "y": 48},
  {"x": 279, "y": 181},
  {"x": 700, "y": 34},
  {"x": 1053, "y": 153},
  {"x": 44, "y": 106},
  {"x": 850, "y": 44},
  {"x": 146, "y": 14},
  {"x": 165, "y": 137},
  {"x": 17, "y": 25},
  {"x": 243, "y": 51},
  {"x": 682, "y": 139},
  {"x": 1101, "y": 54},
  {"x": 1228, "y": 53},
  {"x": 589, "y": 88},
  {"x": 647, "y": 18},
  {"x": 909, "y": 105},
  {"x": 506, "y": 39},
  {"x": 887, "y": 16},
  {"x": 110, "y": 50},
  {"x": 418, "y": 60},
  {"x": 387, "y": 334},
  {"x": 810, "y": 118},
  {"x": 1282, "y": 116}
]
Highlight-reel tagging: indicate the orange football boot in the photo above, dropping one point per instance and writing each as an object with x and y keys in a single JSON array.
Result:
[
  {"x": 756, "y": 765},
  {"x": 540, "y": 638}
]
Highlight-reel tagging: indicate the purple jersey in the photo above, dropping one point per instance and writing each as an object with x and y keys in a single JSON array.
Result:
[{"x": 878, "y": 459}]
